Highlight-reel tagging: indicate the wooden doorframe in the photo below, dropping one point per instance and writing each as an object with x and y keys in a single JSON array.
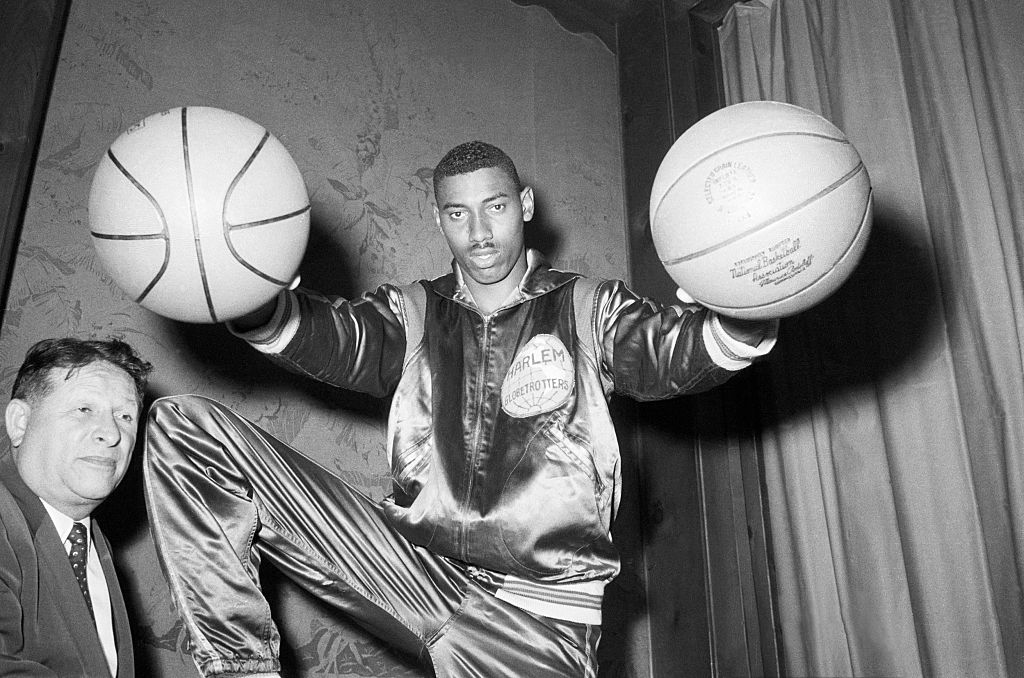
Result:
[{"x": 707, "y": 566}]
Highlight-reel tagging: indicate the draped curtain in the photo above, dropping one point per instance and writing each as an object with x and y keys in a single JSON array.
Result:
[{"x": 893, "y": 427}]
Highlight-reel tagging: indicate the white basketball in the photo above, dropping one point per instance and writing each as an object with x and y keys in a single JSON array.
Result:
[
  {"x": 761, "y": 210},
  {"x": 199, "y": 214}
]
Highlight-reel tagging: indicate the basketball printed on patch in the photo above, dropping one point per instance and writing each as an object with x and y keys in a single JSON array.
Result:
[{"x": 540, "y": 379}]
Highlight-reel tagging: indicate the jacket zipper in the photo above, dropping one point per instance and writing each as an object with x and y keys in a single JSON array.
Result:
[{"x": 481, "y": 378}]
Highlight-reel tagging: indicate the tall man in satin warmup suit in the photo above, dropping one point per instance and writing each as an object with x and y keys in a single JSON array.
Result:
[
  {"x": 72, "y": 423},
  {"x": 491, "y": 556}
]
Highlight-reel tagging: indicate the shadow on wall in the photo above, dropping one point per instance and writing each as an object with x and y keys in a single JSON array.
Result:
[
  {"x": 541, "y": 234},
  {"x": 877, "y": 324},
  {"x": 234, "y": 364},
  {"x": 873, "y": 326}
]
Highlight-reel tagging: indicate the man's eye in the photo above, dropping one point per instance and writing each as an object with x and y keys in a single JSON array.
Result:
[
  {"x": 455, "y": 215},
  {"x": 500, "y": 207},
  {"x": 128, "y": 418},
  {"x": 84, "y": 408}
]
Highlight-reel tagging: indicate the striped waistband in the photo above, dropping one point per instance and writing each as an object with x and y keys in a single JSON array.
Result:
[{"x": 578, "y": 602}]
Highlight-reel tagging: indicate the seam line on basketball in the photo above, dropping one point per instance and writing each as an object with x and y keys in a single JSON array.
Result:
[
  {"x": 227, "y": 227},
  {"x": 263, "y": 222},
  {"x": 757, "y": 137},
  {"x": 195, "y": 215},
  {"x": 764, "y": 224},
  {"x": 115, "y": 236},
  {"x": 163, "y": 226}
]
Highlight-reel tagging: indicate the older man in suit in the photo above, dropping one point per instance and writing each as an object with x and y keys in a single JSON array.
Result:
[{"x": 72, "y": 423}]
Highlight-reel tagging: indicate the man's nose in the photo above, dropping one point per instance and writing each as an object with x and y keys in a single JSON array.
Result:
[
  {"x": 479, "y": 229},
  {"x": 107, "y": 431}
]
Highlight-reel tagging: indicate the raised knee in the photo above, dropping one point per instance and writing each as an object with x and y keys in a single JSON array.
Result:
[{"x": 177, "y": 405}]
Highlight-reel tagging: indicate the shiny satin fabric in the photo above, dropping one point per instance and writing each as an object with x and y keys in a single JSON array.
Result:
[
  {"x": 527, "y": 490},
  {"x": 222, "y": 494}
]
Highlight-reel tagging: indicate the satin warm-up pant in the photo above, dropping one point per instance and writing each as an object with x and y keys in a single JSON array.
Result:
[{"x": 222, "y": 495}]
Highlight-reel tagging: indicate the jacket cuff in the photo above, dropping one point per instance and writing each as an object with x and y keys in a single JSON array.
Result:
[
  {"x": 732, "y": 354},
  {"x": 279, "y": 330}
]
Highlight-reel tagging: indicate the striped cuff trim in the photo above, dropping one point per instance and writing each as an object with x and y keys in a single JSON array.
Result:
[
  {"x": 730, "y": 353},
  {"x": 279, "y": 331},
  {"x": 578, "y": 602}
]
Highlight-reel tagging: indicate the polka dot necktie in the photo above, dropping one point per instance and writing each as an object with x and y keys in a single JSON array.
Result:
[{"x": 79, "y": 555}]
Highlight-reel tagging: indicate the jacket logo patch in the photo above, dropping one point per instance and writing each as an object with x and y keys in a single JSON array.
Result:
[{"x": 540, "y": 379}]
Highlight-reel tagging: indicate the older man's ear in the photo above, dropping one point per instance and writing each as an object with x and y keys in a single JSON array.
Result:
[{"x": 16, "y": 420}]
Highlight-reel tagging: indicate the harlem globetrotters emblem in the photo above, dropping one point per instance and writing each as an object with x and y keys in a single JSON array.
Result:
[{"x": 540, "y": 379}]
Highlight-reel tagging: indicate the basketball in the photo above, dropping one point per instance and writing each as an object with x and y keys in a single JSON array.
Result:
[
  {"x": 761, "y": 210},
  {"x": 199, "y": 214}
]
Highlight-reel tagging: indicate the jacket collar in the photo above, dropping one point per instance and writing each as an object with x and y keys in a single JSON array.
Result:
[{"x": 539, "y": 279}]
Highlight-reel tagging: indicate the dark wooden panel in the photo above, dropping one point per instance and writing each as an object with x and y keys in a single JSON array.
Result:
[
  {"x": 740, "y": 602},
  {"x": 648, "y": 132},
  {"x": 30, "y": 37},
  {"x": 703, "y": 528},
  {"x": 762, "y": 566},
  {"x": 657, "y": 103},
  {"x": 706, "y": 17},
  {"x": 744, "y": 628}
]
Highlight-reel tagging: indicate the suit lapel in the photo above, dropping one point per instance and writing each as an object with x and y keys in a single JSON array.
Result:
[
  {"x": 56, "y": 574},
  {"x": 122, "y": 629}
]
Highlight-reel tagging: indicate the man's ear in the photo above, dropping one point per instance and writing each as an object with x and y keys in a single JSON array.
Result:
[
  {"x": 16, "y": 419},
  {"x": 526, "y": 198},
  {"x": 437, "y": 218}
]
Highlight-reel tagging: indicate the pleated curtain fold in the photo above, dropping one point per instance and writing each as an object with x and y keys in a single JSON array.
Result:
[{"x": 894, "y": 432}]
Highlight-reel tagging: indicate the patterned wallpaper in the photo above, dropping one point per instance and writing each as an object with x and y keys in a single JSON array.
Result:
[{"x": 366, "y": 95}]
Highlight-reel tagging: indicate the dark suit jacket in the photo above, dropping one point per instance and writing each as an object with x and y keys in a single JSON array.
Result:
[{"x": 45, "y": 627}]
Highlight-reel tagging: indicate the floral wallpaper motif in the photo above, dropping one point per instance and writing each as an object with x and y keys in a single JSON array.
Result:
[{"x": 366, "y": 95}]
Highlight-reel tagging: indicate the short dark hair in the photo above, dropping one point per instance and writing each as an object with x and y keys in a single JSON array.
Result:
[
  {"x": 472, "y": 156},
  {"x": 68, "y": 353}
]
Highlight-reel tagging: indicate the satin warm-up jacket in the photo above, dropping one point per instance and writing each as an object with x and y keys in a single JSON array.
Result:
[{"x": 502, "y": 449}]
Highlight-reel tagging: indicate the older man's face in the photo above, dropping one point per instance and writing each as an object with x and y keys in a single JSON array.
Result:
[{"x": 72, "y": 446}]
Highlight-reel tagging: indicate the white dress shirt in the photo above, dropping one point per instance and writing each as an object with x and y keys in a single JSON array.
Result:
[{"x": 98, "y": 591}]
